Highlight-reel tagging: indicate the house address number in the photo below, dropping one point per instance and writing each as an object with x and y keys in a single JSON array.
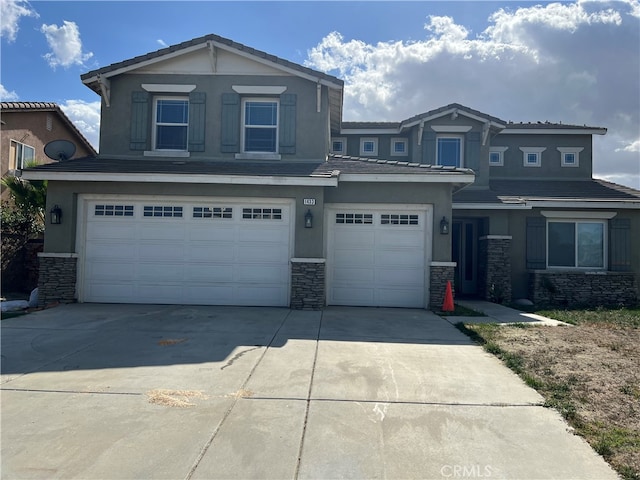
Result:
[{"x": 309, "y": 201}]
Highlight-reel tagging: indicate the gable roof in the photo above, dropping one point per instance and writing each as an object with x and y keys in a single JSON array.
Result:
[
  {"x": 93, "y": 78},
  {"x": 396, "y": 127},
  {"x": 47, "y": 107},
  {"x": 529, "y": 193}
]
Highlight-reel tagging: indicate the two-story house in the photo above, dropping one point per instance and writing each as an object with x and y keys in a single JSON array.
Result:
[{"x": 226, "y": 176}]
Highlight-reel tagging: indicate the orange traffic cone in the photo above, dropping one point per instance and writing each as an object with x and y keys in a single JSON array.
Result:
[{"x": 447, "y": 305}]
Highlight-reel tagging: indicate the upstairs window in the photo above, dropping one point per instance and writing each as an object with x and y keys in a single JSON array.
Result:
[
  {"x": 171, "y": 123},
  {"x": 496, "y": 156},
  {"x": 339, "y": 145},
  {"x": 399, "y": 147},
  {"x": 368, "y": 147},
  {"x": 449, "y": 151},
  {"x": 260, "y": 125},
  {"x": 532, "y": 156},
  {"x": 570, "y": 156},
  {"x": 20, "y": 154}
]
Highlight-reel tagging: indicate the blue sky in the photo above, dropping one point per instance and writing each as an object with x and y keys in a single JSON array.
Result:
[{"x": 574, "y": 62}]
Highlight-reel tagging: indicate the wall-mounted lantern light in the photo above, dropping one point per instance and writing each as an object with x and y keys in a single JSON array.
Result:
[
  {"x": 308, "y": 219},
  {"x": 55, "y": 215},
  {"x": 444, "y": 226}
]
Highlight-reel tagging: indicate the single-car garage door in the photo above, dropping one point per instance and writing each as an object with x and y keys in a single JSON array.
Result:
[
  {"x": 203, "y": 252},
  {"x": 376, "y": 255}
]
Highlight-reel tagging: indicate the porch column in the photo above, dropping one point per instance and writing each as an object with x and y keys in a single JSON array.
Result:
[
  {"x": 440, "y": 273},
  {"x": 494, "y": 268},
  {"x": 57, "y": 278}
]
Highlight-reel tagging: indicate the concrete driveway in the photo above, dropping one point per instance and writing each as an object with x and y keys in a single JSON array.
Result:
[{"x": 182, "y": 392}]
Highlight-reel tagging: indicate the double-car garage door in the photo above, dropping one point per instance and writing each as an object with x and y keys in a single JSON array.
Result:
[
  {"x": 160, "y": 250},
  {"x": 237, "y": 252}
]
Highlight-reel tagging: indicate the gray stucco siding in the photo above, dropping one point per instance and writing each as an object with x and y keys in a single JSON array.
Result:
[
  {"x": 551, "y": 167},
  {"x": 312, "y": 129}
]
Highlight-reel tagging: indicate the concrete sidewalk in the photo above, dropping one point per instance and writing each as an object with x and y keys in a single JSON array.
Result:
[
  {"x": 496, "y": 313},
  {"x": 113, "y": 391}
]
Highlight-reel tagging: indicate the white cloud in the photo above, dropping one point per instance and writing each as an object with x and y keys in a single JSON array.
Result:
[
  {"x": 570, "y": 62},
  {"x": 85, "y": 116},
  {"x": 6, "y": 95},
  {"x": 11, "y": 11},
  {"x": 630, "y": 147},
  {"x": 65, "y": 44},
  {"x": 161, "y": 42}
]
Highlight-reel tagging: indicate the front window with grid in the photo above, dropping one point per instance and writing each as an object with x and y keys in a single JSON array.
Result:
[
  {"x": 576, "y": 244},
  {"x": 399, "y": 146},
  {"x": 171, "y": 123},
  {"x": 162, "y": 211},
  {"x": 368, "y": 147},
  {"x": 570, "y": 156},
  {"x": 356, "y": 218},
  {"x": 20, "y": 154},
  {"x": 339, "y": 145},
  {"x": 532, "y": 156},
  {"x": 260, "y": 125}
]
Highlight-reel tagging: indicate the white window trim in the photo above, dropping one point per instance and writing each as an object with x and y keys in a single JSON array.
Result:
[
  {"x": 157, "y": 151},
  {"x": 254, "y": 155},
  {"x": 405, "y": 141},
  {"x": 536, "y": 150},
  {"x": 258, "y": 89},
  {"x": 344, "y": 145},
  {"x": 451, "y": 128},
  {"x": 375, "y": 147},
  {"x": 167, "y": 88},
  {"x": 457, "y": 137},
  {"x": 565, "y": 150},
  {"x": 576, "y": 221},
  {"x": 500, "y": 151},
  {"x": 18, "y": 164}
]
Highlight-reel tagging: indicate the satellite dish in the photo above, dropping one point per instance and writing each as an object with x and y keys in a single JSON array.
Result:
[{"x": 60, "y": 150}]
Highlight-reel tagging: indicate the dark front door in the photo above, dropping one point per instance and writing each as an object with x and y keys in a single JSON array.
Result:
[{"x": 464, "y": 244}]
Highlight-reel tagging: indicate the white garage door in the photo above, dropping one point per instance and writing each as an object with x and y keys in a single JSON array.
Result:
[
  {"x": 200, "y": 252},
  {"x": 376, "y": 256}
]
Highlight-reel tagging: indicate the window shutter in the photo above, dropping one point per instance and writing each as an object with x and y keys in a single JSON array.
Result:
[
  {"x": 620, "y": 245},
  {"x": 197, "y": 106},
  {"x": 429, "y": 147},
  {"x": 287, "y": 123},
  {"x": 472, "y": 150},
  {"x": 230, "y": 129},
  {"x": 139, "y": 120},
  {"x": 536, "y": 243}
]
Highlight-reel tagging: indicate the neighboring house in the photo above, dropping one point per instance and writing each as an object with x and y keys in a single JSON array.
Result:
[
  {"x": 226, "y": 176},
  {"x": 26, "y": 127}
]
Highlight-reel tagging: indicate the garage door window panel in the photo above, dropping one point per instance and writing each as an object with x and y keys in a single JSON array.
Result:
[
  {"x": 354, "y": 218},
  {"x": 398, "y": 219},
  {"x": 113, "y": 211},
  {"x": 262, "y": 213},
  {"x": 213, "y": 212},
  {"x": 162, "y": 211}
]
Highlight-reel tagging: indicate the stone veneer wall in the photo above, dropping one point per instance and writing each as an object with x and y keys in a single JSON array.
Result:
[
  {"x": 57, "y": 280},
  {"x": 566, "y": 288},
  {"x": 494, "y": 268},
  {"x": 441, "y": 272},
  {"x": 308, "y": 283}
]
